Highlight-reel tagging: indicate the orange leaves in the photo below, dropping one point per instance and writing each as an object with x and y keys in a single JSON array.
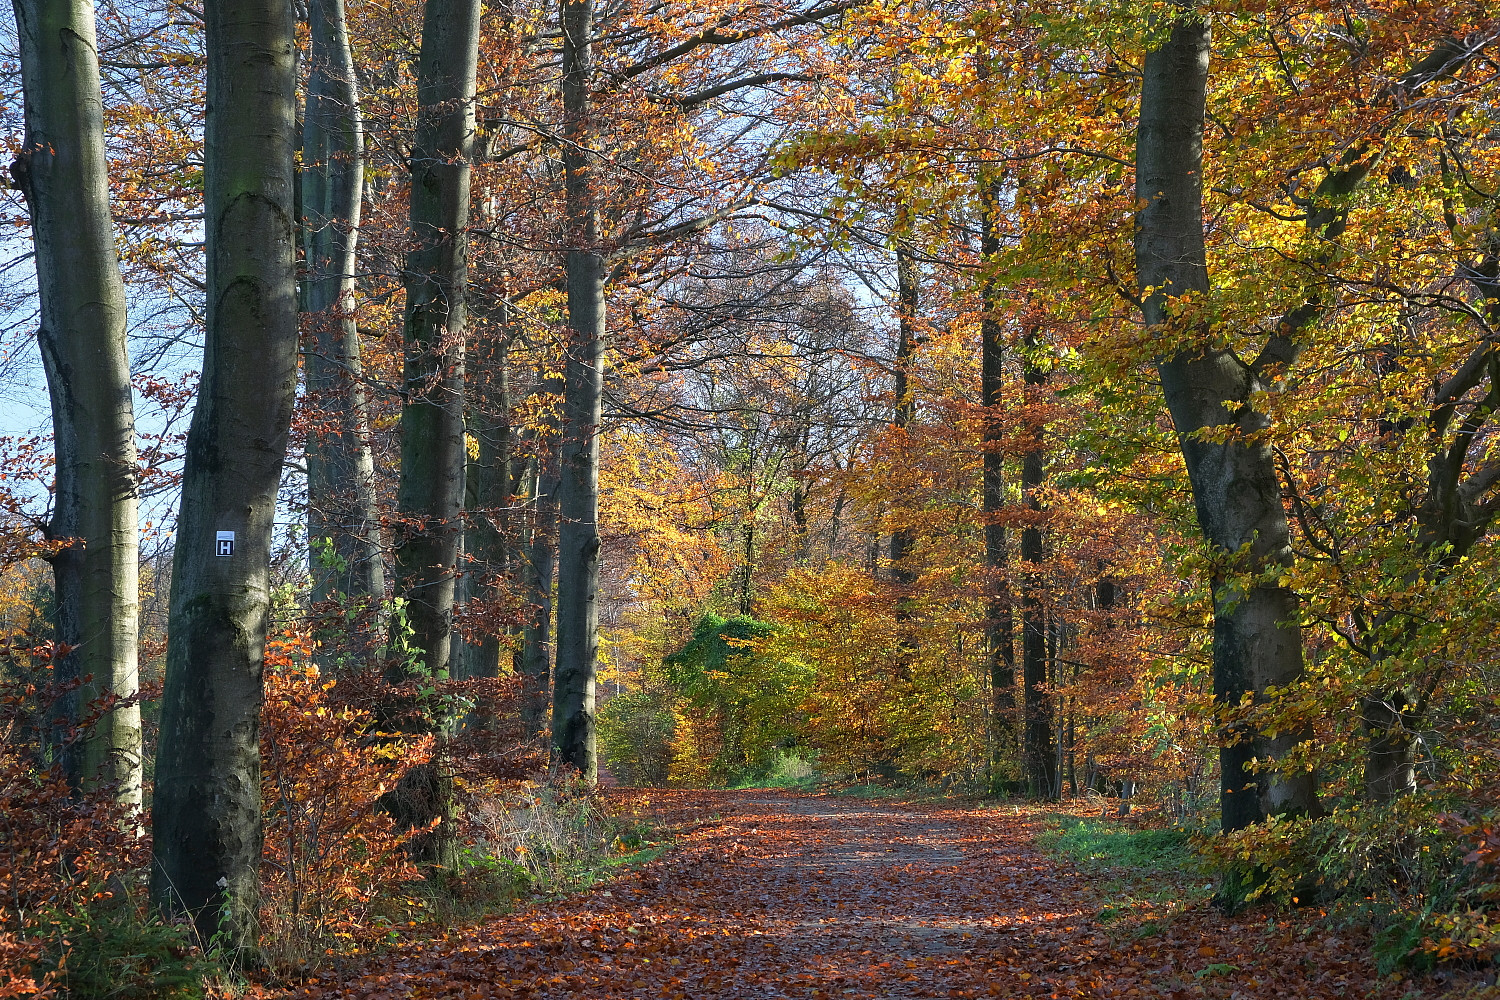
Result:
[
  {"x": 59, "y": 855},
  {"x": 814, "y": 897},
  {"x": 329, "y": 850}
]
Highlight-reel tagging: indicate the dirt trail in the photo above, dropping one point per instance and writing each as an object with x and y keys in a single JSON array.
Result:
[{"x": 778, "y": 895}]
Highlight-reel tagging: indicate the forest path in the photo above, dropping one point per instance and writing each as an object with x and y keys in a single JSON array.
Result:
[{"x": 779, "y": 895}]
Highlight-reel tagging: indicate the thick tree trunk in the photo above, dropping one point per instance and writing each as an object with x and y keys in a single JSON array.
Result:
[
  {"x": 573, "y": 736},
  {"x": 1257, "y": 640},
  {"x": 1000, "y": 642},
  {"x": 206, "y": 812},
  {"x": 433, "y": 456},
  {"x": 62, "y": 171},
  {"x": 342, "y": 512}
]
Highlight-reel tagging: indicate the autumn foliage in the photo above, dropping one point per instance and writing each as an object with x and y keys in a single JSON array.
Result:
[{"x": 330, "y": 852}]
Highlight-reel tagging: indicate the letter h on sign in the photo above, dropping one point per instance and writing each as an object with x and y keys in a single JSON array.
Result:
[{"x": 224, "y": 544}]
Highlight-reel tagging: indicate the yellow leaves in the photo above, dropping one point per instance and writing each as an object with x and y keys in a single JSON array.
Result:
[{"x": 651, "y": 503}]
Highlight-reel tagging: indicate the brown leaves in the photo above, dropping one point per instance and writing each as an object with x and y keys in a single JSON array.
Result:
[{"x": 776, "y": 895}]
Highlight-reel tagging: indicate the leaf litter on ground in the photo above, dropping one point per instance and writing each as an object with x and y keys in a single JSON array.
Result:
[{"x": 772, "y": 895}]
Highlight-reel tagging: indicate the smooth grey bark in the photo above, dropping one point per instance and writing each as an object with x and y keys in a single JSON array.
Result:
[
  {"x": 1038, "y": 750},
  {"x": 343, "y": 516},
  {"x": 1000, "y": 644},
  {"x": 63, "y": 173},
  {"x": 578, "y": 542},
  {"x": 433, "y": 456},
  {"x": 206, "y": 819},
  {"x": 1257, "y": 638}
]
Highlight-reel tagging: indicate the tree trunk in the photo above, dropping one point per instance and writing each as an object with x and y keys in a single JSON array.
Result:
[
  {"x": 430, "y": 504},
  {"x": 1257, "y": 640},
  {"x": 62, "y": 171},
  {"x": 433, "y": 456},
  {"x": 535, "y": 664},
  {"x": 908, "y": 293},
  {"x": 1038, "y": 752},
  {"x": 206, "y": 818},
  {"x": 573, "y": 735},
  {"x": 1389, "y": 724},
  {"x": 488, "y": 535},
  {"x": 999, "y": 616},
  {"x": 342, "y": 512}
]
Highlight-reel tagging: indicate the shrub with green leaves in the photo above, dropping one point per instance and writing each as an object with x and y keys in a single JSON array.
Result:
[
  {"x": 112, "y": 950},
  {"x": 754, "y": 699},
  {"x": 635, "y": 736}
]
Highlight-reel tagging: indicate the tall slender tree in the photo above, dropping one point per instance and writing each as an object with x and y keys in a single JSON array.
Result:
[
  {"x": 343, "y": 516},
  {"x": 1038, "y": 748},
  {"x": 490, "y": 482},
  {"x": 588, "y": 194},
  {"x": 578, "y": 541},
  {"x": 430, "y": 502},
  {"x": 535, "y": 658},
  {"x": 999, "y": 615},
  {"x": 433, "y": 455},
  {"x": 206, "y": 818},
  {"x": 908, "y": 298},
  {"x": 62, "y": 171}
]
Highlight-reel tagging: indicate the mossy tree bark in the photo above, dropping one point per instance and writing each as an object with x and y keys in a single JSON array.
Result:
[{"x": 1257, "y": 638}]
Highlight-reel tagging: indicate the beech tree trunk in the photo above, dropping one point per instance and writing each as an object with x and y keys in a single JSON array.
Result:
[
  {"x": 206, "y": 818},
  {"x": 488, "y": 538},
  {"x": 535, "y": 660},
  {"x": 62, "y": 171},
  {"x": 431, "y": 497},
  {"x": 999, "y": 614},
  {"x": 573, "y": 730},
  {"x": 433, "y": 456},
  {"x": 908, "y": 295},
  {"x": 1257, "y": 640},
  {"x": 1038, "y": 751},
  {"x": 343, "y": 516}
]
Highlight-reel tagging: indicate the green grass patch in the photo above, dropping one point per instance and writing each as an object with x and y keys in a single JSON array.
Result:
[
  {"x": 1102, "y": 845},
  {"x": 640, "y": 857},
  {"x": 873, "y": 792},
  {"x": 1145, "y": 878},
  {"x": 786, "y": 771}
]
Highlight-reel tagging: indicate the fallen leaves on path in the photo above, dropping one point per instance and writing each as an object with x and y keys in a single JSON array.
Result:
[{"x": 772, "y": 895}]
